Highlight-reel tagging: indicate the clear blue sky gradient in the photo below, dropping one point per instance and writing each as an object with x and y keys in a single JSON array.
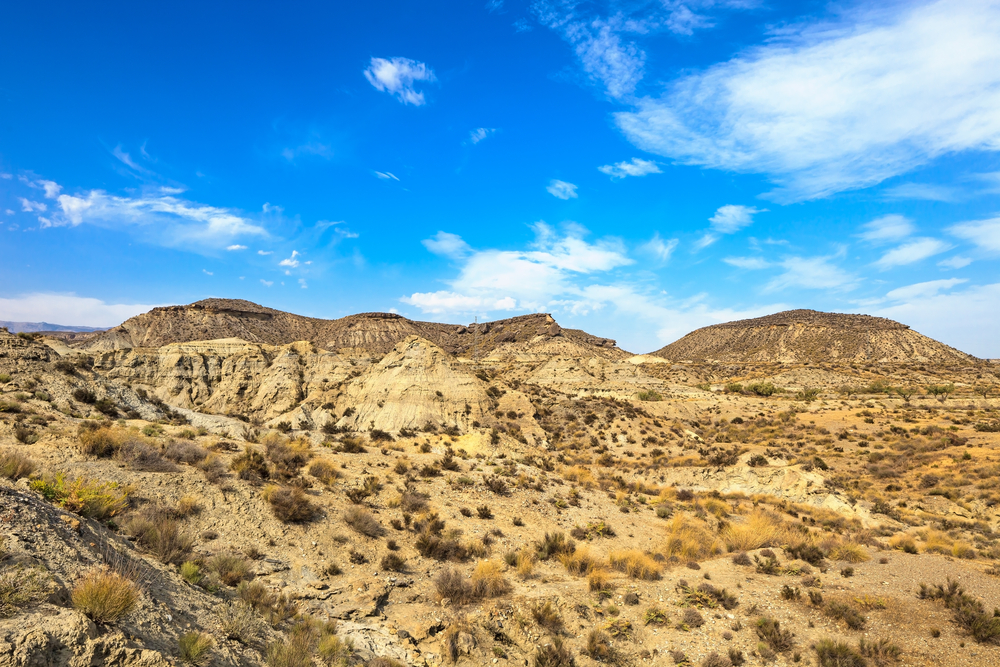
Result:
[{"x": 777, "y": 155}]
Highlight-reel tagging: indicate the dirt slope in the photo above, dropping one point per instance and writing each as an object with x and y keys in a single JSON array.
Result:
[{"x": 798, "y": 336}]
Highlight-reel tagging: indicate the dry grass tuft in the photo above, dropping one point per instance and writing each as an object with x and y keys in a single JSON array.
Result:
[
  {"x": 195, "y": 648},
  {"x": 759, "y": 529},
  {"x": 20, "y": 587},
  {"x": 488, "y": 580},
  {"x": 690, "y": 540},
  {"x": 362, "y": 521},
  {"x": 580, "y": 563},
  {"x": 15, "y": 465},
  {"x": 850, "y": 552},
  {"x": 105, "y": 596},
  {"x": 635, "y": 564}
]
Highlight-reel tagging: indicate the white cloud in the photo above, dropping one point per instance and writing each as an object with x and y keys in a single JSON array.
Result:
[
  {"x": 731, "y": 218},
  {"x": 302, "y": 283},
  {"x": 447, "y": 244},
  {"x": 887, "y": 228},
  {"x": 924, "y": 191},
  {"x": 291, "y": 261},
  {"x": 266, "y": 283},
  {"x": 51, "y": 188},
  {"x": 659, "y": 249},
  {"x": 207, "y": 272},
  {"x": 916, "y": 250},
  {"x": 68, "y": 309},
  {"x": 397, "y": 76},
  {"x": 750, "y": 263},
  {"x": 929, "y": 288},
  {"x": 956, "y": 262},
  {"x": 386, "y": 175},
  {"x": 167, "y": 219},
  {"x": 265, "y": 252},
  {"x": 561, "y": 189},
  {"x": 480, "y": 133},
  {"x": 527, "y": 279},
  {"x": 636, "y": 167},
  {"x": 236, "y": 247},
  {"x": 984, "y": 233},
  {"x": 811, "y": 273},
  {"x": 838, "y": 108},
  {"x": 29, "y": 206},
  {"x": 967, "y": 319}
]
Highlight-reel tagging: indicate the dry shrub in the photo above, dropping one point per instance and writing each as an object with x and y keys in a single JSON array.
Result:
[
  {"x": 770, "y": 631},
  {"x": 105, "y": 596},
  {"x": 580, "y": 563},
  {"x": 362, "y": 521},
  {"x": 184, "y": 451},
  {"x": 159, "y": 534},
  {"x": 554, "y": 544},
  {"x": 213, "y": 468},
  {"x": 451, "y": 585},
  {"x": 289, "y": 504},
  {"x": 547, "y": 616},
  {"x": 87, "y": 497},
  {"x": 850, "y": 552},
  {"x": 100, "y": 441},
  {"x": 274, "y": 607},
  {"x": 759, "y": 529},
  {"x": 635, "y": 564},
  {"x": 903, "y": 542},
  {"x": 187, "y": 506},
  {"x": 230, "y": 568},
  {"x": 250, "y": 465},
  {"x": 324, "y": 470},
  {"x": 238, "y": 620},
  {"x": 837, "y": 654},
  {"x": 15, "y": 465},
  {"x": 524, "y": 563},
  {"x": 555, "y": 654},
  {"x": 488, "y": 580},
  {"x": 688, "y": 539},
  {"x": 287, "y": 457},
  {"x": 140, "y": 455},
  {"x": 20, "y": 587},
  {"x": 936, "y": 541}
]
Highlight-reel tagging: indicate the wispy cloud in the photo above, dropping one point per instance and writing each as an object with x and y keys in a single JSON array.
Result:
[
  {"x": 634, "y": 167},
  {"x": 386, "y": 175},
  {"x": 659, "y": 249},
  {"x": 235, "y": 247},
  {"x": 811, "y": 273},
  {"x": 956, "y": 262},
  {"x": 845, "y": 107},
  {"x": 265, "y": 252},
  {"x": 207, "y": 272},
  {"x": 480, "y": 133},
  {"x": 561, "y": 189},
  {"x": 398, "y": 77},
  {"x": 887, "y": 228},
  {"x": 924, "y": 191},
  {"x": 164, "y": 218},
  {"x": 29, "y": 206},
  {"x": 310, "y": 148},
  {"x": 914, "y": 251},
  {"x": 728, "y": 219},
  {"x": 447, "y": 245},
  {"x": 984, "y": 233},
  {"x": 266, "y": 283},
  {"x": 928, "y": 288},
  {"x": 751, "y": 263}
]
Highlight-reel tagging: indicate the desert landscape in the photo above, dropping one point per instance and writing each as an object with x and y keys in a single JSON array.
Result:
[{"x": 223, "y": 483}]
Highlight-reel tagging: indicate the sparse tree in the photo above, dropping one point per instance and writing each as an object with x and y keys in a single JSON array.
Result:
[
  {"x": 905, "y": 393},
  {"x": 984, "y": 389}
]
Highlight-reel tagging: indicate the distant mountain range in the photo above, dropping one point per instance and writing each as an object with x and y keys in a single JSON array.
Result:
[{"x": 31, "y": 327}]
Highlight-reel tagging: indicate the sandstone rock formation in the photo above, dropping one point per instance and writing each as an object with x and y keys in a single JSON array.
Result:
[
  {"x": 365, "y": 333},
  {"x": 799, "y": 336}
]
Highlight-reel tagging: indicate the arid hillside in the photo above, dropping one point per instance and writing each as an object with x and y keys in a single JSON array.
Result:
[
  {"x": 811, "y": 336},
  {"x": 544, "y": 500},
  {"x": 366, "y": 333}
]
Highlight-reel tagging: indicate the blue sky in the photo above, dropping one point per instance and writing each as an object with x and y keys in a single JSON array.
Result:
[{"x": 639, "y": 169}]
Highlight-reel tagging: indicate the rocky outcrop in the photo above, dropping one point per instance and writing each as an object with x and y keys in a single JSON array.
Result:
[
  {"x": 362, "y": 334},
  {"x": 799, "y": 336}
]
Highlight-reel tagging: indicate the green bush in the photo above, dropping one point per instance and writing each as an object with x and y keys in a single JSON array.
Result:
[{"x": 90, "y": 498}]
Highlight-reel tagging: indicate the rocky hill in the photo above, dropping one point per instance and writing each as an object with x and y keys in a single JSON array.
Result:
[
  {"x": 799, "y": 336},
  {"x": 365, "y": 333}
]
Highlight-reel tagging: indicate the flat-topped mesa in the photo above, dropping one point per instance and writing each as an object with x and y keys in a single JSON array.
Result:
[
  {"x": 374, "y": 333},
  {"x": 810, "y": 336}
]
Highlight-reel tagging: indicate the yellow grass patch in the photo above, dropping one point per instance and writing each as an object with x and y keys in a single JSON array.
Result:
[
  {"x": 635, "y": 564},
  {"x": 758, "y": 529}
]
